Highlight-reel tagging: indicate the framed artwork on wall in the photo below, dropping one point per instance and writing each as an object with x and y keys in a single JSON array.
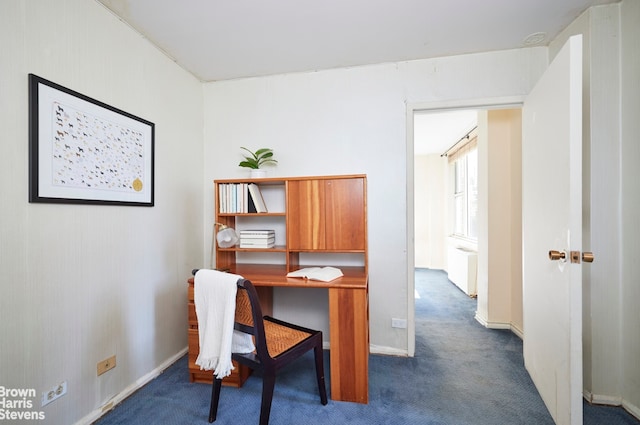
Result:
[{"x": 83, "y": 151}]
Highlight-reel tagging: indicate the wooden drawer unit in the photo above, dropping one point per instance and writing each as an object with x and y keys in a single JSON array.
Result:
[{"x": 238, "y": 375}]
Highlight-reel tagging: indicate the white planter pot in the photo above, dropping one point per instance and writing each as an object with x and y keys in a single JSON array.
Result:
[{"x": 258, "y": 174}]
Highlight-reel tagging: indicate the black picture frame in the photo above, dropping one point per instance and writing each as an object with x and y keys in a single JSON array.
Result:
[{"x": 83, "y": 151}]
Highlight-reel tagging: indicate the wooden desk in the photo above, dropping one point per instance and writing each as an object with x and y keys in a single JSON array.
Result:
[{"x": 348, "y": 322}]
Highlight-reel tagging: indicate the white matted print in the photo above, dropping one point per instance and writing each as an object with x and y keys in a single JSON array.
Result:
[{"x": 84, "y": 151}]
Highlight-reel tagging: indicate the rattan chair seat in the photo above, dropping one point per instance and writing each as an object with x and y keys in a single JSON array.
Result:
[{"x": 281, "y": 338}]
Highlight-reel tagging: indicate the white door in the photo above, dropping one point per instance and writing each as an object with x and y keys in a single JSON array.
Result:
[{"x": 552, "y": 220}]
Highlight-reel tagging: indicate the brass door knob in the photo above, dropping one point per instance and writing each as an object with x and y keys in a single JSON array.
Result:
[{"x": 587, "y": 257}]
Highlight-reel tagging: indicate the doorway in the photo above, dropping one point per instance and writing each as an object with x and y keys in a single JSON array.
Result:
[
  {"x": 499, "y": 303},
  {"x": 445, "y": 182}
]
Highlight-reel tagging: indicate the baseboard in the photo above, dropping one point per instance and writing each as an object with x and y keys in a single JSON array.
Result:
[
  {"x": 605, "y": 400},
  {"x": 516, "y": 330},
  {"x": 499, "y": 325},
  {"x": 631, "y": 408},
  {"x": 480, "y": 320},
  {"x": 492, "y": 325},
  {"x": 387, "y": 351},
  {"x": 139, "y": 383}
]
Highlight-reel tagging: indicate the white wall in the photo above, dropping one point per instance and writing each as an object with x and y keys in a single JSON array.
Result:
[
  {"x": 354, "y": 121},
  {"x": 630, "y": 196},
  {"x": 512, "y": 128},
  {"x": 431, "y": 211},
  {"x": 500, "y": 252},
  {"x": 80, "y": 283},
  {"x": 482, "y": 308}
]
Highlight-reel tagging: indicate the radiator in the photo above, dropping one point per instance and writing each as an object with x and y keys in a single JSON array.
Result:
[{"x": 462, "y": 269}]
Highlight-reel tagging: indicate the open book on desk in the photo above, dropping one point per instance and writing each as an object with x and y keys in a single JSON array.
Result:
[{"x": 323, "y": 274}]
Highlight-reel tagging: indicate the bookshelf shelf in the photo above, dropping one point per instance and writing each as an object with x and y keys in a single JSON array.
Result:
[
  {"x": 277, "y": 248},
  {"x": 267, "y": 214}
]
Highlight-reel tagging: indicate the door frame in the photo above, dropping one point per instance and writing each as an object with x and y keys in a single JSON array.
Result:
[{"x": 411, "y": 109}]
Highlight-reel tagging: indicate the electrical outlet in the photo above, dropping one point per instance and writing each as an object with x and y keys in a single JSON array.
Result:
[
  {"x": 54, "y": 393},
  {"x": 399, "y": 323},
  {"x": 106, "y": 365}
]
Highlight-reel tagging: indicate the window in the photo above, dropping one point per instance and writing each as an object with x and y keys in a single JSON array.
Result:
[{"x": 465, "y": 190}]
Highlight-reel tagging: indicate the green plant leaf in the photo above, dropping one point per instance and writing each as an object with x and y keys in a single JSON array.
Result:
[
  {"x": 253, "y": 155},
  {"x": 249, "y": 164},
  {"x": 263, "y": 152},
  {"x": 256, "y": 159}
]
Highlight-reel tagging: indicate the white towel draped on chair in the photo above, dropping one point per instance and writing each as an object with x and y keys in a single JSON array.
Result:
[{"x": 215, "y": 300}]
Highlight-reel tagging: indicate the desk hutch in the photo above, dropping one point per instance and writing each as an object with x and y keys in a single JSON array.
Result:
[{"x": 320, "y": 218}]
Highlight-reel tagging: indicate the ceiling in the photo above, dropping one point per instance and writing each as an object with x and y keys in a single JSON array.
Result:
[
  {"x": 435, "y": 132},
  {"x": 226, "y": 39},
  {"x": 229, "y": 39}
]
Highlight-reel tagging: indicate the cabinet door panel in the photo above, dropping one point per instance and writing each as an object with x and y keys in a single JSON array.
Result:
[
  {"x": 305, "y": 215},
  {"x": 345, "y": 214}
]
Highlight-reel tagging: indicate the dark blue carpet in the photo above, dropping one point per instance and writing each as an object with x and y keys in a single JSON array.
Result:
[{"x": 462, "y": 373}]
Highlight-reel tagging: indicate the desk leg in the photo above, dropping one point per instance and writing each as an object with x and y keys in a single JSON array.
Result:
[{"x": 349, "y": 333}]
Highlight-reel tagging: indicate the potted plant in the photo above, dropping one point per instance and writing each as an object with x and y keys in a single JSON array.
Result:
[{"x": 255, "y": 160}]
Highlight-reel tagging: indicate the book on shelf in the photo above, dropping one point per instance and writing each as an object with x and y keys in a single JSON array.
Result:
[
  {"x": 251, "y": 206},
  {"x": 257, "y": 234},
  {"x": 257, "y": 243},
  {"x": 227, "y": 201},
  {"x": 324, "y": 274},
  {"x": 256, "y": 197},
  {"x": 249, "y": 246},
  {"x": 221, "y": 199}
]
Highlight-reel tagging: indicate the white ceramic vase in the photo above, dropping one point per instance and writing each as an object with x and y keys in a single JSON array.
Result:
[{"x": 258, "y": 174}]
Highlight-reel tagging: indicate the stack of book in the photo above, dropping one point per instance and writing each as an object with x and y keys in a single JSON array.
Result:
[{"x": 257, "y": 238}]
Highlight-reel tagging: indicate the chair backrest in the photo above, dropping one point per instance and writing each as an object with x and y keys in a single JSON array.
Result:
[{"x": 249, "y": 317}]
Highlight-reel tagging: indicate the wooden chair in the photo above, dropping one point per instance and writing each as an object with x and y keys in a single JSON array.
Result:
[{"x": 277, "y": 344}]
